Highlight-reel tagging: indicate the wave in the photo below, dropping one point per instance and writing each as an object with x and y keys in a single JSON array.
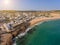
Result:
[{"x": 28, "y": 29}]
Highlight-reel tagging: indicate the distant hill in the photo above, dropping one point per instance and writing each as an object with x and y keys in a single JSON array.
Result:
[{"x": 29, "y": 11}]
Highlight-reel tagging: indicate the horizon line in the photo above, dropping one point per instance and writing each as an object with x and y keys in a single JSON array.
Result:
[{"x": 29, "y": 10}]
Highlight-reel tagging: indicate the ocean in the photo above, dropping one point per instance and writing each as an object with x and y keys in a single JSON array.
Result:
[{"x": 47, "y": 33}]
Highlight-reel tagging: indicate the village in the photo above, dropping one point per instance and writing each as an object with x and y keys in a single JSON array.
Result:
[{"x": 12, "y": 23}]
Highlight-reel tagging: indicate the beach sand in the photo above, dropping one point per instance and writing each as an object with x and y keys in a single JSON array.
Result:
[
  {"x": 8, "y": 37},
  {"x": 37, "y": 20}
]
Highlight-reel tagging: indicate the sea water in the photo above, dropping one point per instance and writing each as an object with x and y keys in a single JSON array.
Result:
[{"x": 47, "y": 33}]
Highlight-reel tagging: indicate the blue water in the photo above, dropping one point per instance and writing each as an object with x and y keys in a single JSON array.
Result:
[{"x": 47, "y": 33}]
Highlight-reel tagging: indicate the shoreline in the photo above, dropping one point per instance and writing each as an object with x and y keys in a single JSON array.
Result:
[
  {"x": 33, "y": 24},
  {"x": 39, "y": 21}
]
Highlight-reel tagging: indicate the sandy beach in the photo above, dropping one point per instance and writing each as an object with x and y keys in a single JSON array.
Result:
[
  {"x": 37, "y": 20},
  {"x": 32, "y": 23}
]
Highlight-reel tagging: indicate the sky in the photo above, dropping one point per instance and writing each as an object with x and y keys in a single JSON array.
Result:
[{"x": 29, "y": 4}]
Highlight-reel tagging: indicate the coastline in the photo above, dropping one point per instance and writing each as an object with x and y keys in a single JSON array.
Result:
[
  {"x": 40, "y": 22},
  {"x": 35, "y": 22},
  {"x": 47, "y": 31}
]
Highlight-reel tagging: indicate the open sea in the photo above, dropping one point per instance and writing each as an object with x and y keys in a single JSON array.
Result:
[{"x": 47, "y": 33}]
